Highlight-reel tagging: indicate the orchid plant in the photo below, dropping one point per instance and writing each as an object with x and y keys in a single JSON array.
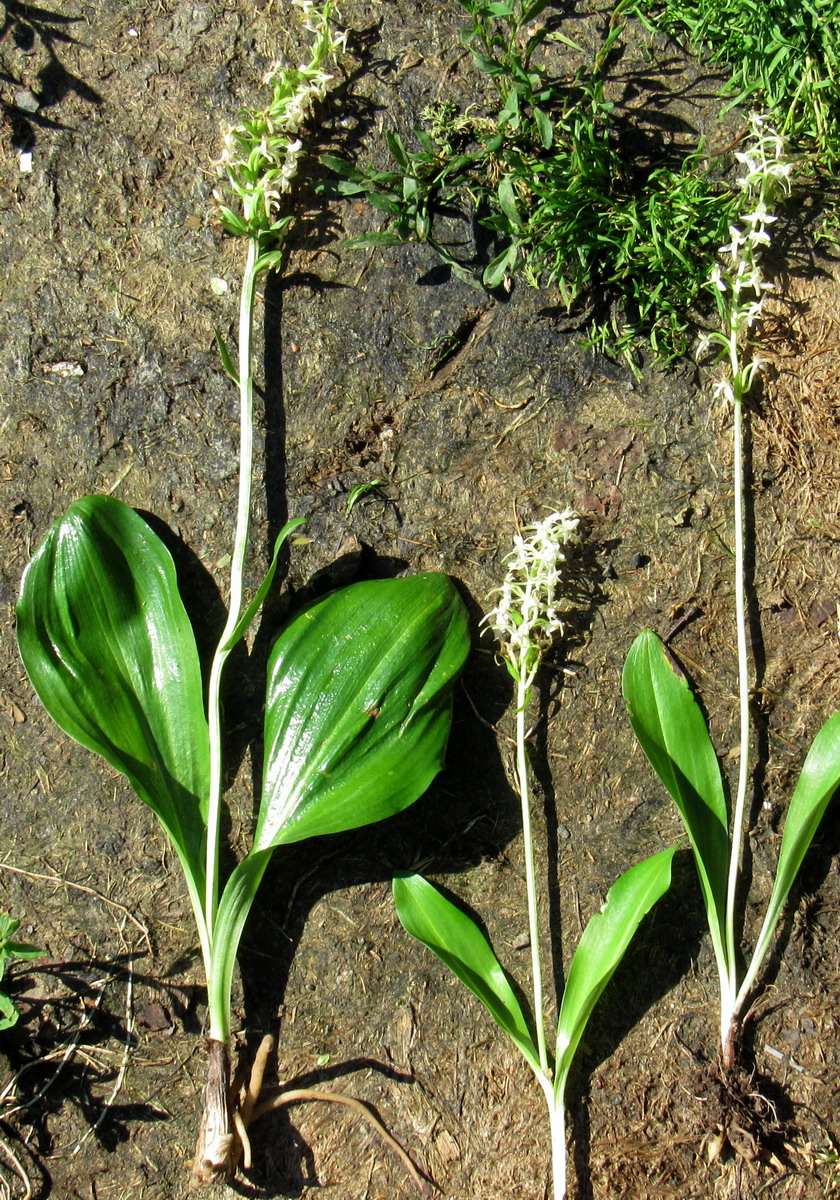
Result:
[
  {"x": 527, "y": 621},
  {"x": 665, "y": 716},
  {"x": 359, "y": 683}
]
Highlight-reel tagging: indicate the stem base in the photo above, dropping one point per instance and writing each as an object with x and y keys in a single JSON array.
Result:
[{"x": 214, "y": 1154}]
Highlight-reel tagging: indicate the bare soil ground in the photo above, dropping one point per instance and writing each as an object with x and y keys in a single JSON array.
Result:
[{"x": 110, "y": 383}]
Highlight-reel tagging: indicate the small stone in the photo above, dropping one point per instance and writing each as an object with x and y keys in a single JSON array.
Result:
[{"x": 27, "y": 101}]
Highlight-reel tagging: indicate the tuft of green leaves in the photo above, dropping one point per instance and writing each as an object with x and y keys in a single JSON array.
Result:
[
  {"x": 546, "y": 173},
  {"x": 784, "y": 56}
]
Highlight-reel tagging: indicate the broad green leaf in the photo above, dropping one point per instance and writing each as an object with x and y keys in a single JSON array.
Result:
[
  {"x": 341, "y": 166},
  {"x": 358, "y": 705},
  {"x": 817, "y": 784},
  {"x": 8, "y": 926},
  {"x": 672, "y": 731},
  {"x": 601, "y": 948},
  {"x": 109, "y": 648},
  {"x": 458, "y": 942}
]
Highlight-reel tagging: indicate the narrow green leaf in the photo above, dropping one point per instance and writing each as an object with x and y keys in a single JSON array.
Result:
[
  {"x": 545, "y": 127},
  {"x": 672, "y": 731},
  {"x": 244, "y": 622},
  {"x": 107, "y": 643},
  {"x": 817, "y": 784},
  {"x": 270, "y": 261},
  {"x": 234, "y": 906},
  {"x": 358, "y": 705},
  {"x": 361, "y": 489},
  {"x": 226, "y": 359},
  {"x": 232, "y": 222},
  {"x": 507, "y": 203},
  {"x": 602, "y": 947},
  {"x": 458, "y": 942},
  {"x": 495, "y": 271},
  {"x": 341, "y": 166},
  {"x": 398, "y": 151},
  {"x": 530, "y": 11}
]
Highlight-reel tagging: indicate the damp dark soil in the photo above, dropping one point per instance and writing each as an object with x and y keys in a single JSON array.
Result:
[{"x": 476, "y": 412}]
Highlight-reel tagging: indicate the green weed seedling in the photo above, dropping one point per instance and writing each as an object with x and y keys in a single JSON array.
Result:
[
  {"x": 9, "y": 948},
  {"x": 357, "y": 704},
  {"x": 526, "y": 621},
  {"x": 667, "y": 720}
]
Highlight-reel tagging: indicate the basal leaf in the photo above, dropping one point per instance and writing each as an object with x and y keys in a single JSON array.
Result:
[
  {"x": 817, "y": 784},
  {"x": 458, "y": 942},
  {"x": 109, "y": 648},
  {"x": 358, "y": 705},
  {"x": 601, "y": 948},
  {"x": 672, "y": 731}
]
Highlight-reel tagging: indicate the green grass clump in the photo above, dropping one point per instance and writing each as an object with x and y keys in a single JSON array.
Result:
[
  {"x": 545, "y": 172},
  {"x": 546, "y": 165},
  {"x": 784, "y": 56}
]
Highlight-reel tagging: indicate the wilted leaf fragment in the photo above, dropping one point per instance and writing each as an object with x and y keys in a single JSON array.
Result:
[
  {"x": 358, "y": 705},
  {"x": 109, "y": 648}
]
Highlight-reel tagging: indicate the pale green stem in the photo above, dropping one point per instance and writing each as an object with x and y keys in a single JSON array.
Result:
[
  {"x": 728, "y": 1013},
  {"x": 237, "y": 569},
  {"x": 523, "y": 692},
  {"x": 557, "y": 1124},
  {"x": 555, "y": 1098}
]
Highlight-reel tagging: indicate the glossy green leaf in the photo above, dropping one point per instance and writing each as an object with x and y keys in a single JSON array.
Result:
[
  {"x": 672, "y": 731},
  {"x": 358, "y": 705},
  {"x": 819, "y": 780},
  {"x": 109, "y": 648},
  {"x": 458, "y": 942},
  {"x": 602, "y": 947}
]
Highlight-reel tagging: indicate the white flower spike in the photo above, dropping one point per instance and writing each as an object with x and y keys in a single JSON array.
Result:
[{"x": 526, "y": 619}]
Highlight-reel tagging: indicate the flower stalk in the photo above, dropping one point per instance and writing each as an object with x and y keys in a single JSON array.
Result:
[
  {"x": 258, "y": 164},
  {"x": 526, "y": 620},
  {"x": 257, "y": 168},
  {"x": 740, "y": 289}
]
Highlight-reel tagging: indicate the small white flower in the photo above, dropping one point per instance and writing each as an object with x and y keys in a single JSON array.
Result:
[
  {"x": 738, "y": 239},
  {"x": 723, "y": 389},
  {"x": 716, "y": 278}
]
